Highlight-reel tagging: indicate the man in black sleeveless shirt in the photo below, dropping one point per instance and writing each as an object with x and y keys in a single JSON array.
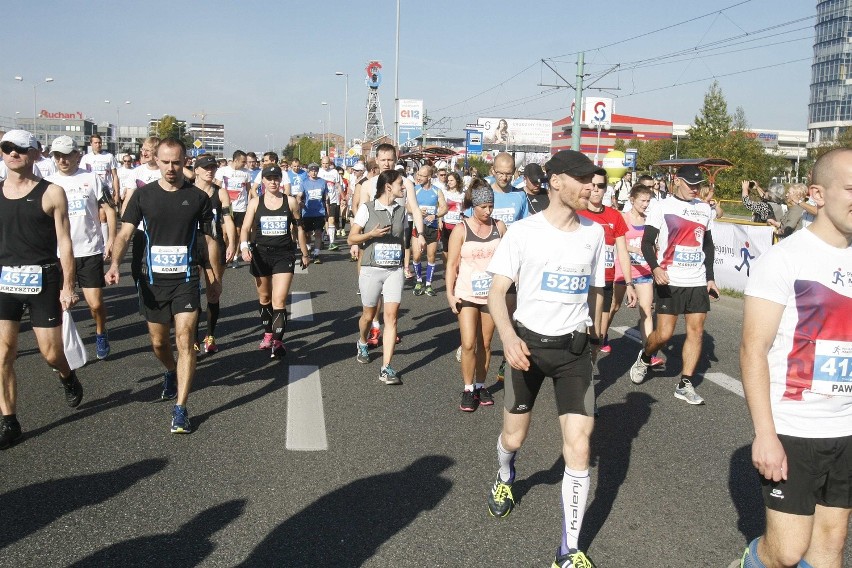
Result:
[
  {"x": 33, "y": 225},
  {"x": 175, "y": 216}
]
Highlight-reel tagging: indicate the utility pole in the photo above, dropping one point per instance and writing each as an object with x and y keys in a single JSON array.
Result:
[{"x": 576, "y": 133}]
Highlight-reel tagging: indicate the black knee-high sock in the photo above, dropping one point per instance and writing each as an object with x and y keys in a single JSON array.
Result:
[
  {"x": 212, "y": 317},
  {"x": 279, "y": 322},
  {"x": 266, "y": 317}
]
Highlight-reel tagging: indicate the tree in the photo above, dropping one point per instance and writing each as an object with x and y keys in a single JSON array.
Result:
[
  {"x": 712, "y": 124},
  {"x": 619, "y": 144},
  {"x": 653, "y": 151},
  {"x": 307, "y": 150},
  {"x": 739, "y": 120},
  {"x": 170, "y": 127}
]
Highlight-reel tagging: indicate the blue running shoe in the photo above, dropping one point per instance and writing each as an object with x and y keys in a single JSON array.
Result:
[
  {"x": 102, "y": 347},
  {"x": 169, "y": 385},
  {"x": 180, "y": 420}
]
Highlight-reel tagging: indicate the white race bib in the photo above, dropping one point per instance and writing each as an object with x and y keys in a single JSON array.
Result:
[
  {"x": 273, "y": 225},
  {"x": 480, "y": 283},
  {"x": 452, "y": 218},
  {"x": 315, "y": 194},
  {"x": 505, "y": 214},
  {"x": 609, "y": 256},
  {"x": 21, "y": 279},
  {"x": 832, "y": 368},
  {"x": 566, "y": 284},
  {"x": 76, "y": 207},
  {"x": 687, "y": 256},
  {"x": 387, "y": 254},
  {"x": 169, "y": 260}
]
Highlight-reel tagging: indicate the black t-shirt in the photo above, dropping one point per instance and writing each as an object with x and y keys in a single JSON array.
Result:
[
  {"x": 171, "y": 221},
  {"x": 538, "y": 202}
]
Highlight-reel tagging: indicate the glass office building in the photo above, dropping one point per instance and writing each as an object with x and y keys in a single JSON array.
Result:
[{"x": 830, "y": 108}]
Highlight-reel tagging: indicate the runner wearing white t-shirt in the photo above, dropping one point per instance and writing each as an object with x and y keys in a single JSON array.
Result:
[
  {"x": 45, "y": 164},
  {"x": 333, "y": 183},
  {"x": 147, "y": 172},
  {"x": 126, "y": 177},
  {"x": 678, "y": 246},
  {"x": 796, "y": 361},
  {"x": 103, "y": 164},
  {"x": 556, "y": 259},
  {"x": 86, "y": 196},
  {"x": 236, "y": 180}
]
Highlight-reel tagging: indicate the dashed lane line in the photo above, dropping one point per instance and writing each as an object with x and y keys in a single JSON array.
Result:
[{"x": 305, "y": 415}]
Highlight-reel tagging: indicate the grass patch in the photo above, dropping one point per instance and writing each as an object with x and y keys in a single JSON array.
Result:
[{"x": 732, "y": 293}]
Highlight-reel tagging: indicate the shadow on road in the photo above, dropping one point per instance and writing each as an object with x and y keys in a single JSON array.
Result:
[
  {"x": 744, "y": 487},
  {"x": 35, "y": 506},
  {"x": 347, "y": 526},
  {"x": 187, "y": 546}
]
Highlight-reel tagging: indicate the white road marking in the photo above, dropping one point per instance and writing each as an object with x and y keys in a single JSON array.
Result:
[
  {"x": 721, "y": 379},
  {"x": 305, "y": 416},
  {"x": 301, "y": 307}
]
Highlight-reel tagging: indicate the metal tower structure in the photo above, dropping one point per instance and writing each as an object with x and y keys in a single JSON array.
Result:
[{"x": 374, "y": 127}]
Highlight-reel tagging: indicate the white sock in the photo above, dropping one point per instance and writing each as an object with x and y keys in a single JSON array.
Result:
[
  {"x": 506, "y": 459},
  {"x": 375, "y": 324},
  {"x": 480, "y": 385},
  {"x": 468, "y": 388},
  {"x": 575, "y": 493},
  {"x": 331, "y": 231}
]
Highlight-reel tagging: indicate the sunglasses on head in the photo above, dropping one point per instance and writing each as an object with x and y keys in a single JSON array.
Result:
[{"x": 8, "y": 148}]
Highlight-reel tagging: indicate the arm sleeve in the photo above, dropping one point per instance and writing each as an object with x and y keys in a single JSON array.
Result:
[
  {"x": 649, "y": 242},
  {"x": 709, "y": 255}
]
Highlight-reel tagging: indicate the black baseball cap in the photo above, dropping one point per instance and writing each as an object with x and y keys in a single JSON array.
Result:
[
  {"x": 534, "y": 173},
  {"x": 313, "y": 166},
  {"x": 573, "y": 163},
  {"x": 690, "y": 174},
  {"x": 206, "y": 161},
  {"x": 270, "y": 171}
]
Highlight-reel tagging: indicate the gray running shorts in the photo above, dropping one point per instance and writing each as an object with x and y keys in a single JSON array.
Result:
[{"x": 374, "y": 282}]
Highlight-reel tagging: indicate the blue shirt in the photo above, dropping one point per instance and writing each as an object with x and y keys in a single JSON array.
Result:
[
  {"x": 427, "y": 199},
  {"x": 296, "y": 179},
  {"x": 314, "y": 194},
  {"x": 508, "y": 207}
]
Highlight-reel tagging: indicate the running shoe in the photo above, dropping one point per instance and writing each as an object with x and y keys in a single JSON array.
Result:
[
  {"x": 484, "y": 397},
  {"x": 418, "y": 289},
  {"x": 638, "y": 370},
  {"x": 9, "y": 433},
  {"x": 353, "y": 259},
  {"x": 333, "y": 246},
  {"x": 500, "y": 499},
  {"x": 277, "y": 351},
  {"x": 180, "y": 420},
  {"x": 389, "y": 376},
  {"x": 102, "y": 347},
  {"x": 429, "y": 291},
  {"x": 468, "y": 401},
  {"x": 373, "y": 337},
  {"x": 458, "y": 354},
  {"x": 501, "y": 372},
  {"x": 363, "y": 355},
  {"x": 605, "y": 348},
  {"x": 317, "y": 260},
  {"x": 73, "y": 389},
  {"x": 210, "y": 345},
  {"x": 687, "y": 393},
  {"x": 657, "y": 361},
  {"x": 169, "y": 385},
  {"x": 266, "y": 342},
  {"x": 408, "y": 274},
  {"x": 574, "y": 559}
]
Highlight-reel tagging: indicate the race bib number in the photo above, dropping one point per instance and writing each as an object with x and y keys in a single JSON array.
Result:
[
  {"x": 168, "y": 260},
  {"x": 609, "y": 256},
  {"x": 505, "y": 214},
  {"x": 387, "y": 254},
  {"x": 273, "y": 225},
  {"x": 832, "y": 368},
  {"x": 566, "y": 284},
  {"x": 688, "y": 256},
  {"x": 21, "y": 279},
  {"x": 315, "y": 194},
  {"x": 480, "y": 283},
  {"x": 452, "y": 218},
  {"x": 76, "y": 207},
  {"x": 636, "y": 259},
  {"x": 428, "y": 209}
]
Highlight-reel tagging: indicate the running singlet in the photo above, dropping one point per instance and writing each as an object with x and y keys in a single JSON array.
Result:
[
  {"x": 810, "y": 361},
  {"x": 236, "y": 183},
  {"x": 638, "y": 266},
  {"x": 272, "y": 226},
  {"x": 27, "y": 233},
  {"x": 509, "y": 207},
  {"x": 427, "y": 199},
  {"x": 101, "y": 165},
  {"x": 296, "y": 179},
  {"x": 680, "y": 244},
  {"x": 170, "y": 220},
  {"x": 332, "y": 182},
  {"x": 455, "y": 201},
  {"x": 314, "y": 192},
  {"x": 474, "y": 282},
  {"x": 84, "y": 191},
  {"x": 614, "y": 226},
  {"x": 553, "y": 280}
]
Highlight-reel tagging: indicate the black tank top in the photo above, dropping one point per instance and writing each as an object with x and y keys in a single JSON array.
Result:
[
  {"x": 272, "y": 227},
  {"x": 27, "y": 233}
]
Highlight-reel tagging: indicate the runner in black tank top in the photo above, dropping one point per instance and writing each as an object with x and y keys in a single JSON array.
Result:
[
  {"x": 33, "y": 225},
  {"x": 268, "y": 224}
]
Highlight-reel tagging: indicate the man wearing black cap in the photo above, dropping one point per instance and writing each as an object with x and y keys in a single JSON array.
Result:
[
  {"x": 678, "y": 247},
  {"x": 557, "y": 290},
  {"x": 314, "y": 200},
  {"x": 537, "y": 199}
]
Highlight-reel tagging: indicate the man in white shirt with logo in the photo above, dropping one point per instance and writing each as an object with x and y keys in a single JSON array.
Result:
[
  {"x": 126, "y": 177},
  {"x": 796, "y": 362},
  {"x": 45, "y": 164},
  {"x": 678, "y": 246},
  {"x": 103, "y": 164},
  {"x": 333, "y": 182},
  {"x": 236, "y": 180},
  {"x": 557, "y": 260},
  {"x": 86, "y": 197}
]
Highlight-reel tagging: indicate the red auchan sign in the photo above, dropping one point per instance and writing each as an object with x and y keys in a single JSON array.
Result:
[{"x": 66, "y": 115}]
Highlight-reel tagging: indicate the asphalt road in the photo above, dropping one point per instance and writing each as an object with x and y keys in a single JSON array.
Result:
[{"x": 403, "y": 478}]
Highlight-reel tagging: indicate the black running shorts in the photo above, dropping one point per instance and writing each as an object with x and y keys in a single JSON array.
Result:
[
  {"x": 266, "y": 261},
  {"x": 607, "y": 297},
  {"x": 45, "y": 309},
  {"x": 674, "y": 300},
  {"x": 158, "y": 303},
  {"x": 310, "y": 224},
  {"x": 90, "y": 271},
  {"x": 819, "y": 472}
]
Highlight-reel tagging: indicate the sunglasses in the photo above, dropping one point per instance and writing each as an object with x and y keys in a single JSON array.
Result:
[
  {"x": 8, "y": 148},
  {"x": 600, "y": 185}
]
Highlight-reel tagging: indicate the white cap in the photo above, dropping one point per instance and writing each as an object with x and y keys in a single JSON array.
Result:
[
  {"x": 64, "y": 145},
  {"x": 359, "y": 166},
  {"x": 20, "y": 138},
  {"x": 441, "y": 165}
]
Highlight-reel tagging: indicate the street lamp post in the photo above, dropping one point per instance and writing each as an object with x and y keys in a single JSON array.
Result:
[
  {"x": 598, "y": 126},
  {"x": 327, "y": 129},
  {"x": 35, "y": 105},
  {"x": 345, "y": 116},
  {"x": 117, "y": 122}
]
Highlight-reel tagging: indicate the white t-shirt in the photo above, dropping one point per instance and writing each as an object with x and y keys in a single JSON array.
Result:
[
  {"x": 126, "y": 180},
  {"x": 84, "y": 190},
  {"x": 4, "y": 171},
  {"x": 101, "y": 164},
  {"x": 46, "y": 166},
  {"x": 332, "y": 182},
  {"x": 145, "y": 175},
  {"x": 237, "y": 184},
  {"x": 455, "y": 206},
  {"x": 680, "y": 249},
  {"x": 810, "y": 361},
  {"x": 553, "y": 271}
]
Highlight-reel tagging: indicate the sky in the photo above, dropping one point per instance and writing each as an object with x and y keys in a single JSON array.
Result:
[{"x": 264, "y": 68}]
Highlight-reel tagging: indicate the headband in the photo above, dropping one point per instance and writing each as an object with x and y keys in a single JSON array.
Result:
[{"x": 481, "y": 196}]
